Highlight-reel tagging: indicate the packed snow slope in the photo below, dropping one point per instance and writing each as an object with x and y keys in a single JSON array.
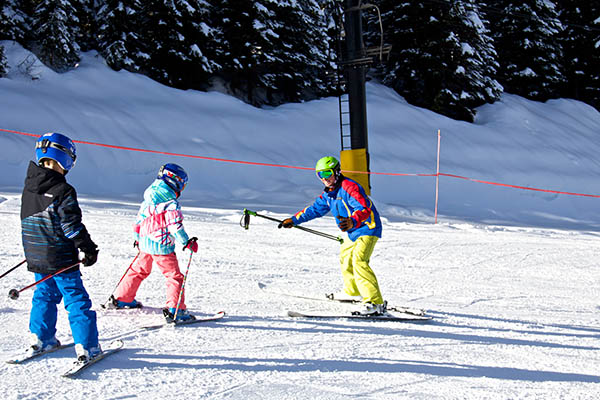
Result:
[
  {"x": 552, "y": 145},
  {"x": 510, "y": 277},
  {"x": 515, "y": 315}
]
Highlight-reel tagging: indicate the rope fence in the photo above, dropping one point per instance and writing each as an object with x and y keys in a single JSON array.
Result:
[{"x": 437, "y": 174}]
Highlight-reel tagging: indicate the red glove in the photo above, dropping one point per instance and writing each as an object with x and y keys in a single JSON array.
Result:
[
  {"x": 346, "y": 224},
  {"x": 192, "y": 244}
]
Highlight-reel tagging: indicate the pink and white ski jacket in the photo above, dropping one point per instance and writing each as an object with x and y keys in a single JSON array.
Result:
[{"x": 159, "y": 223}]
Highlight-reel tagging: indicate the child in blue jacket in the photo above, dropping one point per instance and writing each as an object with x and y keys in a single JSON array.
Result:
[{"x": 355, "y": 214}]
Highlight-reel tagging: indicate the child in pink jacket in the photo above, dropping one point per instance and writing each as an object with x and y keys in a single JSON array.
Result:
[{"x": 158, "y": 227}]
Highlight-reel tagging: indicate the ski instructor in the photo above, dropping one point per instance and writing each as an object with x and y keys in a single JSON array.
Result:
[{"x": 356, "y": 215}]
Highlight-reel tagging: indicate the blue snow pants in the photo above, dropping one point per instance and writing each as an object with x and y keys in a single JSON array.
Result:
[{"x": 48, "y": 294}]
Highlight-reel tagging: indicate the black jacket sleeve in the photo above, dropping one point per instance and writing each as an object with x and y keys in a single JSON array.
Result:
[{"x": 71, "y": 225}]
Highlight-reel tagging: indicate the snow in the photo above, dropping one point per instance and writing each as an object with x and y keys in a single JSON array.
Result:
[{"x": 510, "y": 276}]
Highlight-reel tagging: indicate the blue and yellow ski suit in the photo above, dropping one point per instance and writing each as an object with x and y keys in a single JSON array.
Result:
[{"x": 348, "y": 199}]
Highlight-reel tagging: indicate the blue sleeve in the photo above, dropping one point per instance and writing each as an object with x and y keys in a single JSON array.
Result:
[{"x": 319, "y": 208}]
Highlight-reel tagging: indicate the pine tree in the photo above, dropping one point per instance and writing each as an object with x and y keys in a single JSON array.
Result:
[
  {"x": 87, "y": 28},
  {"x": 118, "y": 41},
  {"x": 333, "y": 28},
  {"x": 56, "y": 26},
  {"x": 473, "y": 64},
  {"x": 526, "y": 35},
  {"x": 442, "y": 57},
  {"x": 581, "y": 45},
  {"x": 177, "y": 37},
  {"x": 239, "y": 49},
  {"x": 272, "y": 51},
  {"x": 296, "y": 58},
  {"x": 12, "y": 21},
  {"x": 3, "y": 63}
]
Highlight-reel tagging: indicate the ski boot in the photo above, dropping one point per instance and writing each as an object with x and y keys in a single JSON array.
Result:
[
  {"x": 370, "y": 309},
  {"x": 85, "y": 355},
  {"x": 115, "y": 304},
  {"x": 182, "y": 315}
]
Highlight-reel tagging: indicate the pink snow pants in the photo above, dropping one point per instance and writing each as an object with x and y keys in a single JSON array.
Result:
[{"x": 141, "y": 269}]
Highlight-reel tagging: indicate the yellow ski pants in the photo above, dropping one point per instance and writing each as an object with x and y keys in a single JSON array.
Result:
[{"x": 359, "y": 278}]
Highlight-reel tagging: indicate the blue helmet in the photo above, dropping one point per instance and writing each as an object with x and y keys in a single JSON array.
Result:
[
  {"x": 174, "y": 176},
  {"x": 57, "y": 147}
]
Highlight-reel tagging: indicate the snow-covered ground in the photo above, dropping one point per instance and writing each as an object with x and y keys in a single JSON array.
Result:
[
  {"x": 515, "y": 316},
  {"x": 510, "y": 276}
]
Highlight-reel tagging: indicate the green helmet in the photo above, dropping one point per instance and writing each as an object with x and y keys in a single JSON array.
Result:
[
  {"x": 326, "y": 163},
  {"x": 327, "y": 167}
]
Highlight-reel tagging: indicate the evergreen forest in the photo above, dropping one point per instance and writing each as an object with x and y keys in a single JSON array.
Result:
[{"x": 449, "y": 56}]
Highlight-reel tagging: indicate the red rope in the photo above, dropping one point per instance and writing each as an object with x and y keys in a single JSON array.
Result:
[
  {"x": 306, "y": 168},
  {"x": 518, "y": 187},
  {"x": 168, "y": 153}
]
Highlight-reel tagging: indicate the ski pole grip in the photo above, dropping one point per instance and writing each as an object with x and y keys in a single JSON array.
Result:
[{"x": 246, "y": 221}]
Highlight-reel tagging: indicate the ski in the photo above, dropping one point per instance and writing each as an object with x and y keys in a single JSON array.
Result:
[
  {"x": 29, "y": 355},
  {"x": 329, "y": 297},
  {"x": 78, "y": 367},
  {"x": 400, "y": 317},
  {"x": 197, "y": 320}
]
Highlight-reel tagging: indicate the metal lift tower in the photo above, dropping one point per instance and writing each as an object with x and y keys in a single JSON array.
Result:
[{"x": 353, "y": 65}]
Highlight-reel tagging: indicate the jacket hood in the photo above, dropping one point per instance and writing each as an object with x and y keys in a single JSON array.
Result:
[
  {"x": 159, "y": 192},
  {"x": 39, "y": 179}
]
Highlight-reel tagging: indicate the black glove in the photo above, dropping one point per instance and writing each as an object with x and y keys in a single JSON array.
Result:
[
  {"x": 286, "y": 223},
  {"x": 346, "y": 224},
  {"x": 84, "y": 243},
  {"x": 136, "y": 244},
  {"x": 90, "y": 257}
]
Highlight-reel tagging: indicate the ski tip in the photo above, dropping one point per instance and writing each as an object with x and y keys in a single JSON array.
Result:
[
  {"x": 261, "y": 285},
  {"x": 295, "y": 314}
]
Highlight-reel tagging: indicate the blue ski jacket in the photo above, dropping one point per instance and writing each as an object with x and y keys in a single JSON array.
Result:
[{"x": 346, "y": 199}]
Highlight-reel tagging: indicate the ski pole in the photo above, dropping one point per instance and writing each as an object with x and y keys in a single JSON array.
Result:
[
  {"x": 13, "y": 294},
  {"x": 245, "y": 223},
  {"x": 13, "y": 268},
  {"x": 182, "y": 286},
  {"x": 118, "y": 283}
]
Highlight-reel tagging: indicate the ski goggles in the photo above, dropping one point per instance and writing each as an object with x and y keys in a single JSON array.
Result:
[{"x": 326, "y": 174}]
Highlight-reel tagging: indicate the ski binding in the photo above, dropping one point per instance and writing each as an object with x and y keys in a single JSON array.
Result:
[
  {"x": 29, "y": 354},
  {"x": 79, "y": 366},
  {"x": 329, "y": 297},
  {"x": 397, "y": 317},
  {"x": 196, "y": 320}
]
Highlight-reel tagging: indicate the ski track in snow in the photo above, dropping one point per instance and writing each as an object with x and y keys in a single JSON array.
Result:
[{"x": 516, "y": 315}]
